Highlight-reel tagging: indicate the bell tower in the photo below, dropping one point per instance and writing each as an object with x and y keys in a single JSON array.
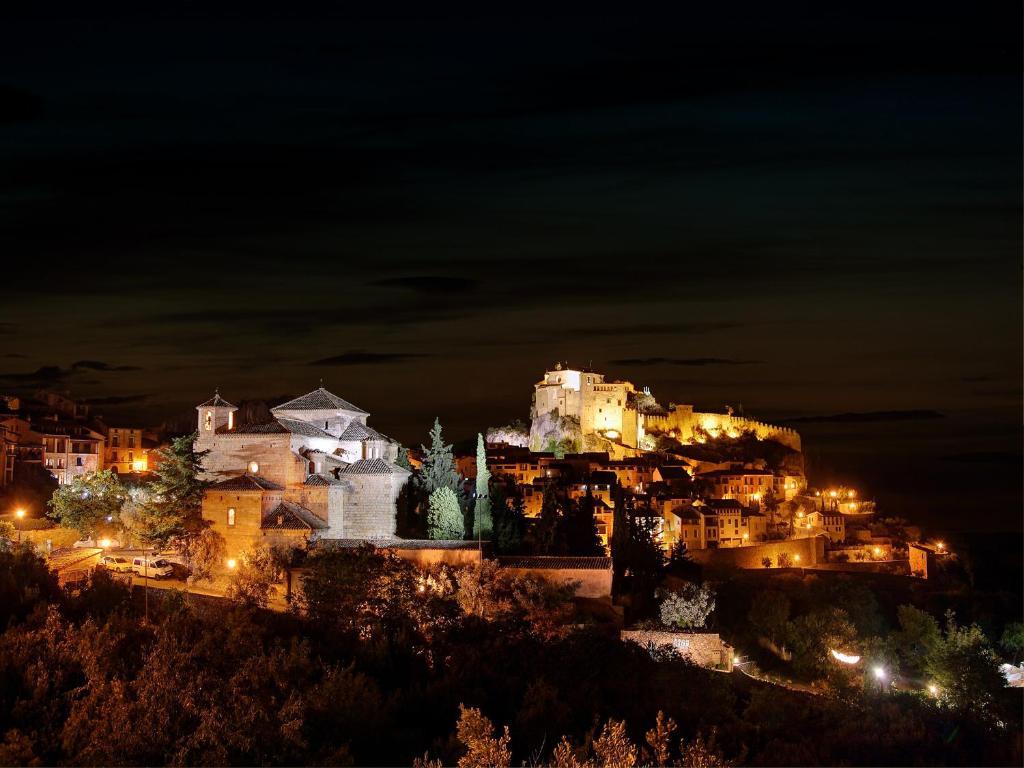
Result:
[{"x": 215, "y": 414}]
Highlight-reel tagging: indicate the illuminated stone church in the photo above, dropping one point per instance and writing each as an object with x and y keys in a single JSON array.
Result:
[{"x": 314, "y": 471}]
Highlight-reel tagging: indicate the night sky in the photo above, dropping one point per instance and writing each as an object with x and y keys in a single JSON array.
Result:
[{"x": 808, "y": 211}]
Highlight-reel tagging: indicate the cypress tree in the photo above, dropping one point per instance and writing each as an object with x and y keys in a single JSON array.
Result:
[
  {"x": 483, "y": 525},
  {"x": 444, "y": 518},
  {"x": 578, "y": 528}
]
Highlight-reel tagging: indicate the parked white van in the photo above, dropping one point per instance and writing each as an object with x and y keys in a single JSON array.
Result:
[{"x": 154, "y": 568}]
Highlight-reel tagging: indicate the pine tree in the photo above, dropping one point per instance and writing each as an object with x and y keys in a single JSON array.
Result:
[
  {"x": 402, "y": 457},
  {"x": 176, "y": 495},
  {"x": 444, "y": 518},
  {"x": 438, "y": 469},
  {"x": 483, "y": 524},
  {"x": 545, "y": 530}
]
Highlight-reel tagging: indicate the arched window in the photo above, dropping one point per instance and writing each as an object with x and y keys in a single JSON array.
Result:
[
  {"x": 231, "y": 515},
  {"x": 208, "y": 422}
]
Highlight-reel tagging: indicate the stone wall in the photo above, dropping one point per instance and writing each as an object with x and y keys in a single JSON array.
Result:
[
  {"x": 231, "y": 455},
  {"x": 811, "y": 551},
  {"x": 249, "y": 508},
  {"x": 706, "y": 649},
  {"x": 369, "y": 510},
  {"x": 588, "y": 582}
]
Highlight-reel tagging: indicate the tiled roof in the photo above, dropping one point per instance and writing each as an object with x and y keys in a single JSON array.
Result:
[
  {"x": 246, "y": 483},
  {"x": 265, "y": 428},
  {"x": 736, "y": 473},
  {"x": 573, "y": 563},
  {"x": 373, "y": 467},
  {"x": 289, "y": 516},
  {"x": 724, "y": 504},
  {"x": 216, "y": 402},
  {"x": 318, "y": 400},
  {"x": 674, "y": 472},
  {"x": 304, "y": 428},
  {"x": 318, "y": 480},
  {"x": 356, "y": 430},
  {"x": 330, "y": 458}
]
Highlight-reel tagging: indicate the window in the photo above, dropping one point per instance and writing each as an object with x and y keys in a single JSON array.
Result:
[
  {"x": 325, "y": 425},
  {"x": 78, "y": 461},
  {"x": 231, "y": 515},
  {"x": 131, "y": 439},
  {"x": 208, "y": 421},
  {"x": 113, "y": 456}
]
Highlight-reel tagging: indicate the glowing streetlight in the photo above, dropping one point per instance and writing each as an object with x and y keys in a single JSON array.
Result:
[
  {"x": 104, "y": 543},
  {"x": 796, "y": 558},
  {"x": 940, "y": 545},
  {"x": 232, "y": 564},
  {"x": 880, "y": 673},
  {"x": 933, "y": 689},
  {"x": 878, "y": 551},
  {"x": 850, "y": 494},
  {"x": 20, "y": 515}
]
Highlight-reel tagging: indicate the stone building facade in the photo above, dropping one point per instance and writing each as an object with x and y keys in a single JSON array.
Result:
[
  {"x": 315, "y": 470},
  {"x": 584, "y": 406}
]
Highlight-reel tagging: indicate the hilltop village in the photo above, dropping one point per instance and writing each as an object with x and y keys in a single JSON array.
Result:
[{"x": 722, "y": 487}]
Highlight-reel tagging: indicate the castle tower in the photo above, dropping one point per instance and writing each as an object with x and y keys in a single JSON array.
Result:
[{"x": 214, "y": 414}]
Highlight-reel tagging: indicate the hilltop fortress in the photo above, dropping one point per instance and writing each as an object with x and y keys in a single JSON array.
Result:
[{"x": 585, "y": 412}]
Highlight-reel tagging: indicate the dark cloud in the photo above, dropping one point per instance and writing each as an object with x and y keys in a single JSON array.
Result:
[
  {"x": 96, "y": 365},
  {"x": 430, "y": 284},
  {"x": 115, "y": 400},
  {"x": 43, "y": 376},
  {"x": 869, "y": 416},
  {"x": 368, "y": 358},
  {"x": 655, "y": 329},
  {"x": 639, "y": 362}
]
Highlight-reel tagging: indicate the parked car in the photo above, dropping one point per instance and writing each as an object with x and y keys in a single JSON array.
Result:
[
  {"x": 116, "y": 563},
  {"x": 154, "y": 568}
]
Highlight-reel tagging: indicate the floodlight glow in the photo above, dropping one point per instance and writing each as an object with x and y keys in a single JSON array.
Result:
[
  {"x": 879, "y": 673},
  {"x": 845, "y": 658}
]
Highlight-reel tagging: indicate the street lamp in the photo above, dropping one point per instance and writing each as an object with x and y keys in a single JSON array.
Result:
[
  {"x": 19, "y": 515},
  {"x": 879, "y": 673},
  {"x": 232, "y": 564}
]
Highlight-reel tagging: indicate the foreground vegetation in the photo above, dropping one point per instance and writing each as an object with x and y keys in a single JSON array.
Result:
[{"x": 382, "y": 664}]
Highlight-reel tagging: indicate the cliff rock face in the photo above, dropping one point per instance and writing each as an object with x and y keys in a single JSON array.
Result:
[
  {"x": 511, "y": 434},
  {"x": 551, "y": 432}
]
